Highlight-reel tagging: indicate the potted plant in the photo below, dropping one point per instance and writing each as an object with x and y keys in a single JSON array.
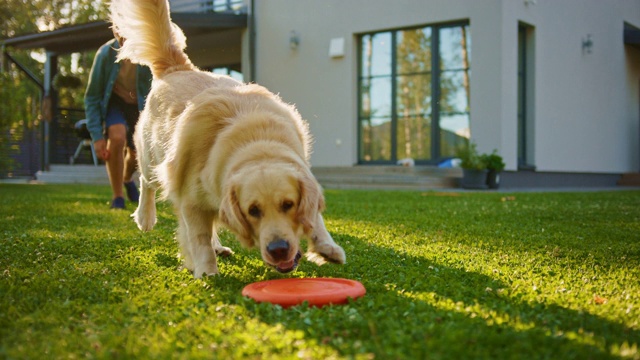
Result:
[
  {"x": 495, "y": 165},
  {"x": 474, "y": 169}
]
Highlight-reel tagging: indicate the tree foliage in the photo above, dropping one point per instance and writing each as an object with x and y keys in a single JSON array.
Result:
[
  {"x": 19, "y": 17},
  {"x": 20, "y": 97}
]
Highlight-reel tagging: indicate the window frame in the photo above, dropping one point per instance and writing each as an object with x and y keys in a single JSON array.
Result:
[{"x": 435, "y": 79}]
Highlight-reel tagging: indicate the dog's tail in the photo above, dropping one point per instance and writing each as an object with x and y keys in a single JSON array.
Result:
[{"x": 150, "y": 37}]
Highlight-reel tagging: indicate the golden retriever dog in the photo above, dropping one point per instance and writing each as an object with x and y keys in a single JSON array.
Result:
[{"x": 222, "y": 152}]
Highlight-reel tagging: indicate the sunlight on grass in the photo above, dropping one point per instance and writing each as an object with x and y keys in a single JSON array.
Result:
[
  {"x": 469, "y": 275},
  {"x": 494, "y": 318}
]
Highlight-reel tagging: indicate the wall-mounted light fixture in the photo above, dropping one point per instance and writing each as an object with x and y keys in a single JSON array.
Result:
[
  {"x": 529, "y": 2},
  {"x": 294, "y": 40},
  {"x": 587, "y": 44}
]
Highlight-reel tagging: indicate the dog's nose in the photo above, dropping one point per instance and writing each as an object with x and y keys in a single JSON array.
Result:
[{"x": 278, "y": 249}]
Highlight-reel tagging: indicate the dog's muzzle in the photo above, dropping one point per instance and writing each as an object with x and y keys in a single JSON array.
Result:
[
  {"x": 289, "y": 266},
  {"x": 279, "y": 252},
  {"x": 278, "y": 249}
]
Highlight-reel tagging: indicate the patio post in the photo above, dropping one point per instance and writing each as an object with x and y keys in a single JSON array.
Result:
[{"x": 50, "y": 106}]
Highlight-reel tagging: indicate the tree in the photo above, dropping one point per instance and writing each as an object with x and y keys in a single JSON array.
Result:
[
  {"x": 20, "y": 98},
  {"x": 414, "y": 93}
]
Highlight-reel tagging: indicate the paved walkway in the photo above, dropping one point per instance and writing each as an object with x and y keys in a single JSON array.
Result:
[{"x": 24, "y": 180}]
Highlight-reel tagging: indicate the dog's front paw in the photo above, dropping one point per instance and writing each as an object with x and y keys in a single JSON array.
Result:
[
  {"x": 145, "y": 222},
  {"x": 206, "y": 270},
  {"x": 327, "y": 253},
  {"x": 187, "y": 263},
  {"x": 223, "y": 251}
]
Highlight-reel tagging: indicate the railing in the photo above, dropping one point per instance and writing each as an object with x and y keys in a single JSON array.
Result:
[
  {"x": 64, "y": 138},
  {"x": 203, "y": 6},
  {"x": 25, "y": 153}
]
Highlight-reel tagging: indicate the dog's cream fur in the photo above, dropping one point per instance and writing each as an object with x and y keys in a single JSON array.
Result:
[{"x": 223, "y": 152}]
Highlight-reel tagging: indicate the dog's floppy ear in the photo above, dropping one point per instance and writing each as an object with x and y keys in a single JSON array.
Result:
[
  {"x": 233, "y": 218},
  {"x": 311, "y": 201}
]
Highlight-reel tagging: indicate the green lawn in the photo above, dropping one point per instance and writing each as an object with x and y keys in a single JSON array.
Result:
[{"x": 448, "y": 275}]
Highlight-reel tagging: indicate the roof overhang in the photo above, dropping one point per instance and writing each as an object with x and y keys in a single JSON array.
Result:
[
  {"x": 89, "y": 36},
  {"x": 631, "y": 35}
]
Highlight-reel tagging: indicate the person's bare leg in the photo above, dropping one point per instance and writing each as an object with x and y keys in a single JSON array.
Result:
[
  {"x": 130, "y": 164},
  {"x": 115, "y": 163}
]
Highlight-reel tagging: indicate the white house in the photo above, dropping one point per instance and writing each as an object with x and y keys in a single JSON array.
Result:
[{"x": 552, "y": 85}]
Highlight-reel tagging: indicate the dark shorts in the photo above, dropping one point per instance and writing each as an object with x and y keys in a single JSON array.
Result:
[{"x": 119, "y": 112}]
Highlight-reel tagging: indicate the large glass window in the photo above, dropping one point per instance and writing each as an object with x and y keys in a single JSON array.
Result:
[
  {"x": 375, "y": 97},
  {"x": 413, "y": 94},
  {"x": 412, "y": 104},
  {"x": 454, "y": 89},
  {"x": 229, "y": 70},
  {"x": 227, "y": 5}
]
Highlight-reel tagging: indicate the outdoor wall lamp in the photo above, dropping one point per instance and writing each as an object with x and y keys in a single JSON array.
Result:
[
  {"x": 587, "y": 44},
  {"x": 294, "y": 40}
]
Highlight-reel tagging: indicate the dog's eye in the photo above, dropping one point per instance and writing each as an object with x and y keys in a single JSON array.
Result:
[
  {"x": 287, "y": 205},
  {"x": 254, "y": 211}
]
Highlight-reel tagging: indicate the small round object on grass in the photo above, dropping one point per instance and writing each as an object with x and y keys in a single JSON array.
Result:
[{"x": 315, "y": 291}]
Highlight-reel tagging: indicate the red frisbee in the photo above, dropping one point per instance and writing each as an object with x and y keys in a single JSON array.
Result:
[{"x": 316, "y": 291}]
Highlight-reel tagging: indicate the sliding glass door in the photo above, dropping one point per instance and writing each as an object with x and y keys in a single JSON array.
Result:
[{"x": 412, "y": 104}]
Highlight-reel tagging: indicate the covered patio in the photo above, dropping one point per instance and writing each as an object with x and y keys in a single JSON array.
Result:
[{"x": 214, "y": 41}]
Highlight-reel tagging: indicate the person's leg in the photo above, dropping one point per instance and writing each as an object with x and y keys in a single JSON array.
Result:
[
  {"x": 130, "y": 164},
  {"x": 115, "y": 164},
  {"x": 131, "y": 114}
]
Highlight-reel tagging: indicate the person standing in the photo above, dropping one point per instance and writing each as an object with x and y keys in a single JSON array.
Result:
[{"x": 114, "y": 97}]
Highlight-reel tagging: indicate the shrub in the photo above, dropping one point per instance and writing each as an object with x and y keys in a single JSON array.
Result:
[
  {"x": 470, "y": 158},
  {"x": 493, "y": 161}
]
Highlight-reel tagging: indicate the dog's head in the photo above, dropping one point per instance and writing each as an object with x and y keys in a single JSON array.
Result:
[{"x": 272, "y": 207}]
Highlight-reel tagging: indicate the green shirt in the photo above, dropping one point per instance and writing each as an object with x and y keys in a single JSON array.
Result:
[{"x": 100, "y": 87}]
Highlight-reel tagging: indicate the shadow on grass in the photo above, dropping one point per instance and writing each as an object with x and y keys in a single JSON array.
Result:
[
  {"x": 416, "y": 308},
  {"x": 593, "y": 227}
]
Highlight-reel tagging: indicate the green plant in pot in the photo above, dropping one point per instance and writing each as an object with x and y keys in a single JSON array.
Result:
[
  {"x": 495, "y": 165},
  {"x": 474, "y": 169}
]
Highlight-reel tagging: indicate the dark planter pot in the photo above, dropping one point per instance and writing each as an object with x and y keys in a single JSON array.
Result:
[
  {"x": 493, "y": 179},
  {"x": 474, "y": 179}
]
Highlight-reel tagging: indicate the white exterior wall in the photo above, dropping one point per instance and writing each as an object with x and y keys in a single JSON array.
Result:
[{"x": 586, "y": 105}]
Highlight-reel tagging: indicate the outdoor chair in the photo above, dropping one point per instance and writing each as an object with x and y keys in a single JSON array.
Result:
[{"x": 85, "y": 141}]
